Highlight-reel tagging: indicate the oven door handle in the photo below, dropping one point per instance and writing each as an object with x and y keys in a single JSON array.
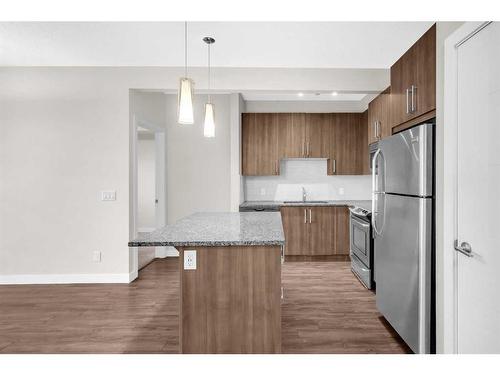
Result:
[{"x": 359, "y": 222}]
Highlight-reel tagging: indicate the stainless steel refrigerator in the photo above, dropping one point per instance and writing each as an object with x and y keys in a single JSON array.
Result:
[{"x": 403, "y": 227}]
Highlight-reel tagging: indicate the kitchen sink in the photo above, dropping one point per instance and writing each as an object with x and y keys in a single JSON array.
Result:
[{"x": 309, "y": 202}]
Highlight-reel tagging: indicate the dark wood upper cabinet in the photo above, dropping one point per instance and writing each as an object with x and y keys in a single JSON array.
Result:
[
  {"x": 379, "y": 122},
  {"x": 425, "y": 96},
  {"x": 317, "y": 135},
  {"x": 347, "y": 144},
  {"x": 291, "y": 135},
  {"x": 341, "y": 138},
  {"x": 413, "y": 81},
  {"x": 259, "y": 144}
]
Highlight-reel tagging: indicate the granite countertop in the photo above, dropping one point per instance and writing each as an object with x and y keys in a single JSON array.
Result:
[
  {"x": 366, "y": 204},
  {"x": 218, "y": 229}
]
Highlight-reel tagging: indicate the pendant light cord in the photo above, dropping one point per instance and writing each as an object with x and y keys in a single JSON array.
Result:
[
  {"x": 209, "y": 96},
  {"x": 185, "y": 48}
]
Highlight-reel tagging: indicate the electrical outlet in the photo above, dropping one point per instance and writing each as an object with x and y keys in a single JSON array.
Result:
[
  {"x": 189, "y": 259},
  {"x": 96, "y": 256},
  {"x": 341, "y": 191},
  {"x": 262, "y": 191},
  {"x": 108, "y": 195}
]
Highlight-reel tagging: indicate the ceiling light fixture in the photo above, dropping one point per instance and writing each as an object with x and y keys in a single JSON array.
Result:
[
  {"x": 335, "y": 93},
  {"x": 185, "y": 95},
  {"x": 209, "y": 125},
  {"x": 301, "y": 94}
]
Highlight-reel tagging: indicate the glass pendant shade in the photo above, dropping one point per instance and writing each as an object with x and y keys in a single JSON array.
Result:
[
  {"x": 209, "y": 126},
  {"x": 185, "y": 102}
]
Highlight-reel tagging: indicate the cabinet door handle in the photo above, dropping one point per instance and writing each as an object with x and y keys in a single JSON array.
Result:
[
  {"x": 407, "y": 104},
  {"x": 307, "y": 149},
  {"x": 303, "y": 148},
  {"x": 305, "y": 216},
  {"x": 413, "y": 106},
  {"x": 310, "y": 216},
  {"x": 276, "y": 166},
  {"x": 378, "y": 129},
  {"x": 334, "y": 166},
  {"x": 374, "y": 129}
]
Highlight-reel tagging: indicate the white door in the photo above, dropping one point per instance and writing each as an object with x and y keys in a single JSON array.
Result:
[{"x": 478, "y": 192}]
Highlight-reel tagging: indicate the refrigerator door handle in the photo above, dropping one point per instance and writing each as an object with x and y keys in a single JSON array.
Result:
[{"x": 374, "y": 192}]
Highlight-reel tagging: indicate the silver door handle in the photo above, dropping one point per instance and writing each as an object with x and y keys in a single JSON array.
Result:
[
  {"x": 378, "y": 129},
  {"x": 464, "y": 248},
  {"x": 305, "y": 216},
  {"x": 334, "y": 166},
  {"x": 375, "y": 129},
  {"x": 310, "y": 216},
  {"x": 303, "y": 147},
  {"x": 307, "y": 149},
  {"x": 407, "y": 105},
  {"x": 413, "y": 107}
]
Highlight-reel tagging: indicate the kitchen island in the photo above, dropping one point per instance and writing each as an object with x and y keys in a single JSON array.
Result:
[{"x": 230, "y": 280}]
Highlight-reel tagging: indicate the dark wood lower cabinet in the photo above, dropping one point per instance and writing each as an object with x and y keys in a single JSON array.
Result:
[
  {"x": 316, "y": 230},
  {"x": 321, "y": 233},
  {"x": 342, "y": 230}
]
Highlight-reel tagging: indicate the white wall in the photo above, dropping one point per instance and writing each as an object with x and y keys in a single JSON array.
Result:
[
  {"x": 198, "y": 168},
  {"x": 443, "y": 30},
  {"x": 310, "y": 174},
  {"x": 146, "y": 181}
]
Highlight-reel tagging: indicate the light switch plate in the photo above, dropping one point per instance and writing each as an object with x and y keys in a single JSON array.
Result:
[
  {"x": 189, "y": 259},
  {"x": 109, "y": 195},
  {"x": 341, "y": 191},
  {"x": 96, "y": 256}
]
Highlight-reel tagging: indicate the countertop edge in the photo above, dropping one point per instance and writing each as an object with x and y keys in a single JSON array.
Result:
[{"x": 208, "y": 243}]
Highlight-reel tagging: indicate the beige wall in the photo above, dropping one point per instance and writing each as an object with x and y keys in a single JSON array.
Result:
[
  {"x": 65, "y": 138},
  {"x": 198, "y": 168}
]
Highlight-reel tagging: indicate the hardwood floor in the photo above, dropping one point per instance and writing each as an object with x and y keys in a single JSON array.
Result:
[{"x": 325, "y": 310}]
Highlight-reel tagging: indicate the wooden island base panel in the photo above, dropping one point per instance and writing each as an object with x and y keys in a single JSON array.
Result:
[
  {"x": 231, "y": 302},
  {"x": 230, "y": 287}
]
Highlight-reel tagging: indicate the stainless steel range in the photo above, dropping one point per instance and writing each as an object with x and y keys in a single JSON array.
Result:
[{"x": 361, "y": 246}]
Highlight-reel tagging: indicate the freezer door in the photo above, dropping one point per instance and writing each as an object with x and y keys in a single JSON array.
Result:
[
  {"x": 408, "y": 161},
  {"x": 403, "y": 254}
]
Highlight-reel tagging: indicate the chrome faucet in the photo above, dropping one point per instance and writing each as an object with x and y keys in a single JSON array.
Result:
[{"x": 304, "y": 194}]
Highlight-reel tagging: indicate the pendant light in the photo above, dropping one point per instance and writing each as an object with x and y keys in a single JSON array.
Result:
[
  {"x": 185, "y": 95},
  {"x": 209, "y": 124}
]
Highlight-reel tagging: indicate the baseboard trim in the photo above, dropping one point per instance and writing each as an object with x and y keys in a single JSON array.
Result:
[
  {"x": 146, "y": 229},
  {"x": 172, "y": 252},
  {"x": 93, "y": 278}
]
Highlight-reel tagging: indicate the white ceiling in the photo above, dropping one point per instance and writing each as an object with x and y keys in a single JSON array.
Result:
[{"x": 238, "y": 44}]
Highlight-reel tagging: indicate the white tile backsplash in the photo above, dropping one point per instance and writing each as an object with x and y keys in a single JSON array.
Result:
[{"x": 310, "y": 174}]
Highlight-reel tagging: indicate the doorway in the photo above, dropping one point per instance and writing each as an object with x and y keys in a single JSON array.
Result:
[
  {"x": 149, "y": 190},
  {"x": 472, "y": 183}
]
